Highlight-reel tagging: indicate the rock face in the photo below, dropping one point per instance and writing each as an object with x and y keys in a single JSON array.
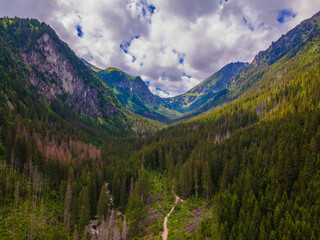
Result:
[{"x": 55, "y": 76}]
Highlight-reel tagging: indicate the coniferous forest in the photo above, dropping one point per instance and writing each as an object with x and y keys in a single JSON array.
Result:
[{"x": 73, "y": 168}]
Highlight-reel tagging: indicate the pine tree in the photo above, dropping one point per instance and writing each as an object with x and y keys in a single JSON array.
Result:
[
  {"x": 206, "y": 179},
  {"x": 85, "y": 208},
  {"x": 105, "y": 201},
  {"x": 143, "y": 185}
]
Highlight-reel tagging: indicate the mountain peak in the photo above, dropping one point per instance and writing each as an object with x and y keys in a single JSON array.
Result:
[{"x": 55, "y": 71}]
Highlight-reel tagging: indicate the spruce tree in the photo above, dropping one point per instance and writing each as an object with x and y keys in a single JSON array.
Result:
[
  {"x": 85, "y": 208},
  {"x": 105, "y": 201},
  {"x": 206, "y": 179}
]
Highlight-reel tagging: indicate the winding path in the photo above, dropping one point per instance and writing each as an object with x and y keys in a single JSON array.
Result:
[{"x": 165, "y": 222}]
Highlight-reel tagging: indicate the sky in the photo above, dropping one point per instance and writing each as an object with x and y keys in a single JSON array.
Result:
[{"x": 173, "y": 45}]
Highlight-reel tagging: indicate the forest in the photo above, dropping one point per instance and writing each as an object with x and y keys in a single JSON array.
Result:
[{"x": 250, "y": 167}]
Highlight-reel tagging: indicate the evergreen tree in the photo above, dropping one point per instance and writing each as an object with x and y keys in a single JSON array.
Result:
[
  {"x": 105, "y": 202},
  {"x": 206, "y": 179},
  {"x": 143, "y": 185},
  {"x": 84, "y": 208}
]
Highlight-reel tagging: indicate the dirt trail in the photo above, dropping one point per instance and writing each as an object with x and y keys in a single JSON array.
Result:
[{"x": 165, "y": 222}]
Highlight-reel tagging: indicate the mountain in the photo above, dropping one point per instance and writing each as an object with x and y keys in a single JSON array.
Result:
[
  {"x": 134, "y": 94},
  {"x": 53, "y": 69},
  {"x": 206, "y": 90},
  {"x": 288, "y": 45},
  {"x": 251, "y": 167},
  {"x": 63, "y": 133},
  {"x": 248, "y": 169}
]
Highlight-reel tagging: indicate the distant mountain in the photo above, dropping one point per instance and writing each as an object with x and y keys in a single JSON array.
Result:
[
  {"x": 221, "y": 87},
  {"x": 260, "y": 149},
  {"x": 206, "y": 90},
  {"x": 134, "y": 94},
  {"x": 281, "y": 50},
  {"x": 249, "y": 169}
]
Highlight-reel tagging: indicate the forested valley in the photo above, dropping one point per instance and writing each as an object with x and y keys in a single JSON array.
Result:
[{"x": 247, "y": 169}]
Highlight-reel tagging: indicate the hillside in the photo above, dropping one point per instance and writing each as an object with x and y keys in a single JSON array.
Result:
[
  {"x": 254, "y": 162},
  {"x": 63, "y": 134},
  {"x": 74, "y": 164},
  {"x": 206, "y": 90},
  {"x": 135, "y": 95}
]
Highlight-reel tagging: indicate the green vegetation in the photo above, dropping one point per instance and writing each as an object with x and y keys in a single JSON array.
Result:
[
  {"x": 134, "y": 94},
  {"x": 261, "y": 152},
  {"x": 247, "y": 170}
]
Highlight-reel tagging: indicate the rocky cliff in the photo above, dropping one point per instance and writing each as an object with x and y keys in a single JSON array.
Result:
[{"x": 57, "y": 73}]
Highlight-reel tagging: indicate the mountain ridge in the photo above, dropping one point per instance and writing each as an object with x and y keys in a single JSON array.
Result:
[
  {"x": 134, "y": 94},
  {"x": 250, "y": 169}
]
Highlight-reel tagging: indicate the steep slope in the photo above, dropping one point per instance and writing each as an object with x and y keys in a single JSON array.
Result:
[
  {"x": 248, "y": 170},
  {"x": 63, "y": 135},
  {"x": 127, "y": 86},
  {"x": 134, "y": 94},
  {"x": 52, "y": 68},
  {"x": 289, "y": 44},
  {"x": 257, "y": 158},
  {"x": 206, "y": 90}
]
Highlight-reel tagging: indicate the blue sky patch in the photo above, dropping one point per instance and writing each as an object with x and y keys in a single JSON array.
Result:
[
  {"x": 126, "y": 45},
  {"x": 181, "y": 56},
  {"x": 247, "y": 23},
  {"x": 134, "y": 58},
  {"x": 181, "y": 59},
  {"x": 284, "y": 15},
  {"x": 79, "y": 31},
  {"x": 163, "y": 75},
  {"x": 186, "y": 75},
  {"x": 147, "y": 83},
  {"x": 146, "y": 10},
  {"x": 151, "y": 8},
  {"x": 223, "y": 1},
  {"x": 161, "y": 90}
]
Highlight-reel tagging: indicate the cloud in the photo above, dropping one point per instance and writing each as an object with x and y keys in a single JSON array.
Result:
[{"x": 185, "y": 39}]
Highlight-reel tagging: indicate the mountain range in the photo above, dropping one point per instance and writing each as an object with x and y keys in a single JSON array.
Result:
[
  {"x": 134, "y": 94},
  {"x": 80, "y": 157}
]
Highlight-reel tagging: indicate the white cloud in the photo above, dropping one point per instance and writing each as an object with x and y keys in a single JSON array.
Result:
[{"x": 205, "y": 34}]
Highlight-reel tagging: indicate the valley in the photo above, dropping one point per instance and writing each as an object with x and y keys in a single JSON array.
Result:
[{"x": 87, "y": 153}]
